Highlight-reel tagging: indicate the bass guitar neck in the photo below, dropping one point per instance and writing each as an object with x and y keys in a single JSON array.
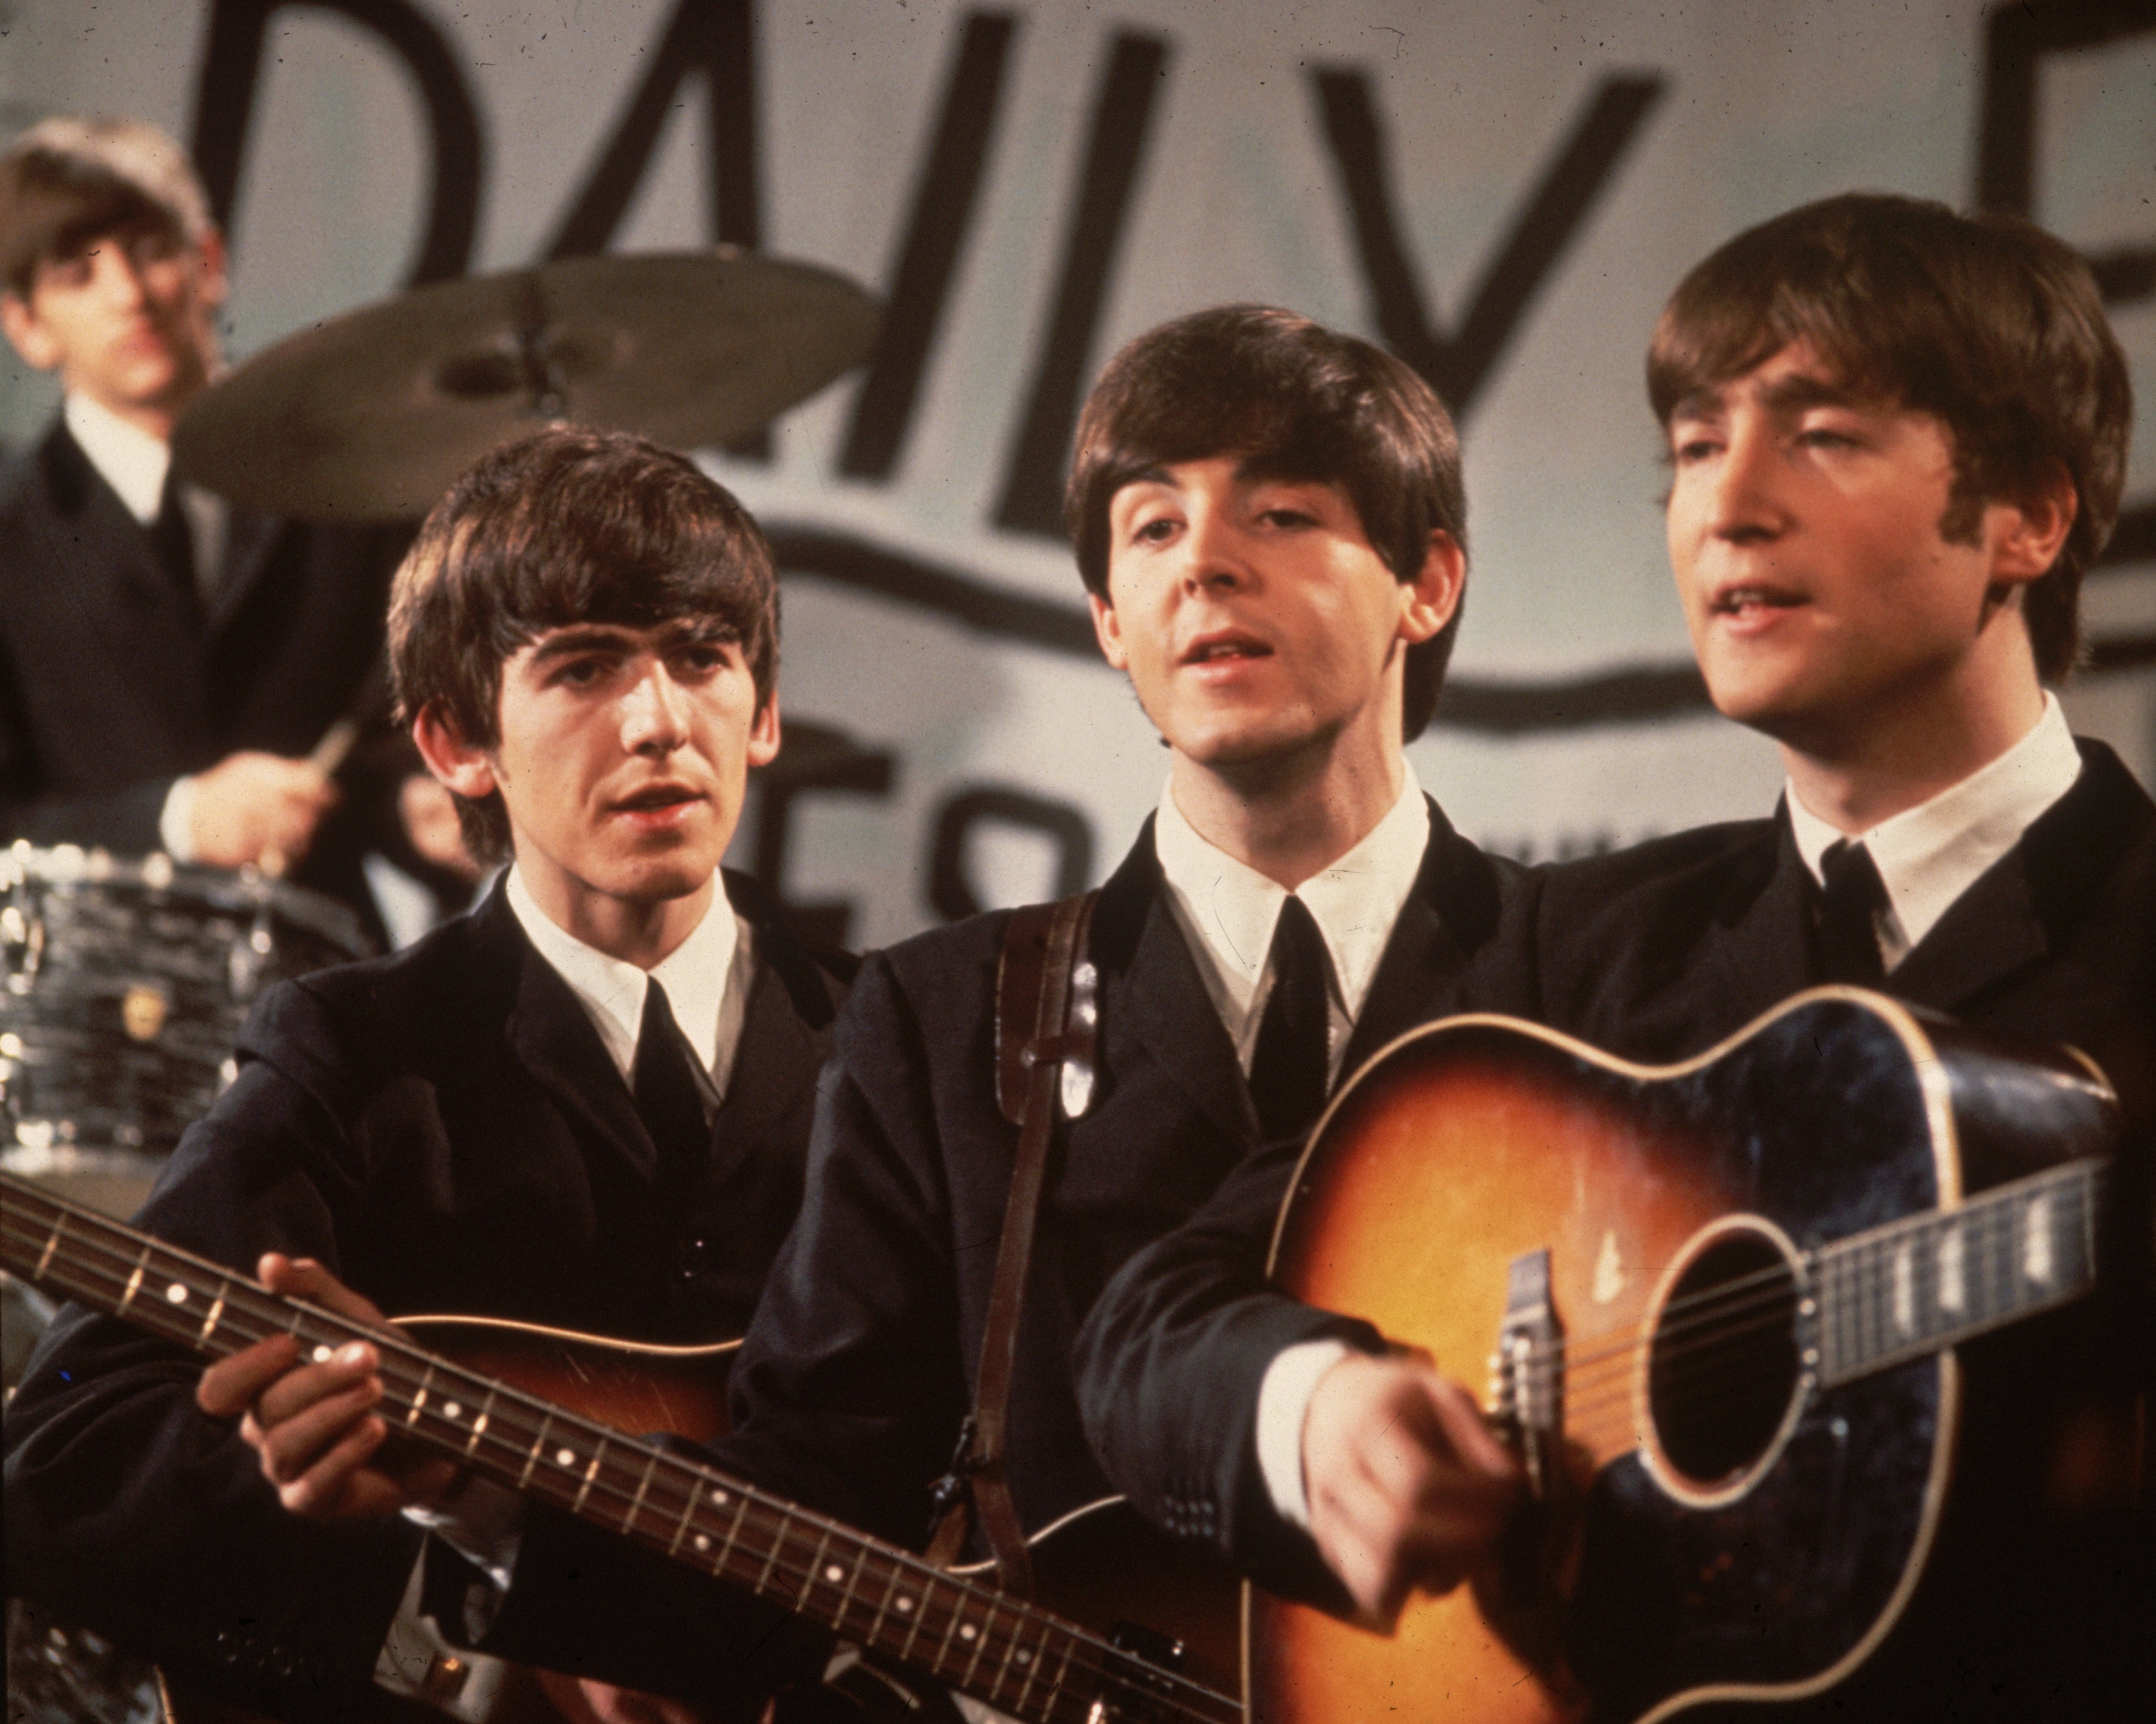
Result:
[{"x": 956, "y": 1630}]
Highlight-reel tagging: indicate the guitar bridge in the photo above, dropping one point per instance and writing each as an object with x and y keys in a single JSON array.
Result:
[{"x": 1526, "y": 1372}]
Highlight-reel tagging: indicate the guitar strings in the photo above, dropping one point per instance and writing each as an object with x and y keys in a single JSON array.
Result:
[
  {"x": 933, "y": 1620},
  {"x": 251, "y": 1312},
  {"x": 1854, "y": 1276}
]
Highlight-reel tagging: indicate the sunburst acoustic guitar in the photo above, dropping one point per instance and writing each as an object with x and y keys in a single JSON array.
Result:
[{"x": 1719, "y": 1303}]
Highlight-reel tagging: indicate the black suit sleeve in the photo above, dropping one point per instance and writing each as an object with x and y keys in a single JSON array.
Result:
[
  {"x": 131, "y": 1511},
  {"x": 124, "y": 820},
  {"x": 850, "y": 1383},
  {"x": 1169, "y": 1365}
]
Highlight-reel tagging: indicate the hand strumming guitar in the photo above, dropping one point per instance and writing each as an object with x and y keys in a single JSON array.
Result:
[{"x": 1408, "y": 1489}]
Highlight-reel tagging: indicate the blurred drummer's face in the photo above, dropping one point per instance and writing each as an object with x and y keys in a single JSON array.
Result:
[
  {"x": 126, "y": 320},
  {"x": 623, "y": 761}
]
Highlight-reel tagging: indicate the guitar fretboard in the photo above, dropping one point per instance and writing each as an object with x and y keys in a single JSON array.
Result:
[
  {"x": 1018, "y": 1659},
  {"x": 1919, "y": 1285}
]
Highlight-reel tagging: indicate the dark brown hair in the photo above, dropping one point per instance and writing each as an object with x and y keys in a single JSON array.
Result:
[
  {"x": 66, "y": 182},
  {"x": 567, "y": 526},
  {"x": 1987, "y": 321},
  {"x": 1291, "y": 398}
]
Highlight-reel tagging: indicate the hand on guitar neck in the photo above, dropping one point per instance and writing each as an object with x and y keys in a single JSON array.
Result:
[
  {"x": 1409, "y": 1491},
  {"x": 311, "y": 1420}
]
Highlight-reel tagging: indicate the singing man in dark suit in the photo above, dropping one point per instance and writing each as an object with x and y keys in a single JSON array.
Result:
[
  {"x": 585, "y": 1104},
  {"x": 1269, "y": 520},
  {"x": 167, "y": 661},
  {"x": 1897, "y": 438}
]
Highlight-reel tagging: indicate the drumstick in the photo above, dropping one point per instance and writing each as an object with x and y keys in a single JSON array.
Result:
[
  {"x": 329, "y": 754},
  {"x": 325, "y": 758}
]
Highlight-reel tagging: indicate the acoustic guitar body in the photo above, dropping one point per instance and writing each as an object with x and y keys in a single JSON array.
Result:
[{"x": 1721, "y": 1527}]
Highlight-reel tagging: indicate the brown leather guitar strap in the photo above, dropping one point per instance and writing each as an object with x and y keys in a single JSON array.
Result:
[{"x": 1046, "y": 1009}]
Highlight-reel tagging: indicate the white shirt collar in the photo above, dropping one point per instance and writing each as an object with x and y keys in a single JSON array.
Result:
[
  {"x": 1227, "y": 909},
  {"x": 126, "y": 457},
  {"x": 707, "y": 978},
  {"x": 1930, "y": 855}
]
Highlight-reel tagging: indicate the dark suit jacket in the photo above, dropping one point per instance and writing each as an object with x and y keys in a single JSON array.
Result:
[
  {"x": 2038, "y": 1600},
  {"x": 444, "y": 1130},
  {"x": 1655, "y": 952},
  {"x": 113, "y": 684},
  {"x": 860, "y": 1366}
]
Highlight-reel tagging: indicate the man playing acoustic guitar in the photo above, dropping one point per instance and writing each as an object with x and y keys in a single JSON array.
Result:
[
  {"x": 1897, "y": 440},
  {"x": 585, "y": 1104}
]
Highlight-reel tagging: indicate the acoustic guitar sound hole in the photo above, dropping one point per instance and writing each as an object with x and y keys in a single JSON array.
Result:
[{"x": 1723, "y": 1366}]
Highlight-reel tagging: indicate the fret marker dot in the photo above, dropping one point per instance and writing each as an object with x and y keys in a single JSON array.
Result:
[
  {"x": 320, "y": 1356},
  {"x": 176, "y": 1293},
  {"x": 718, "y": 1499},
  {"x": 565, "y": 1457},
  {"x": 904, "y": 1606},
  {"x": 703, "y": 1541},
  {"x": 835, "y": 1573},
  {"x": 1023, "y": 1656},
  {"x": 967, "y": 1631},
  {"x": 450, "y": 1409}
]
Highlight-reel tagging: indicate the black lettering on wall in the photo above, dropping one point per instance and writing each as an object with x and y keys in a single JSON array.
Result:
[
  {"x": 1632, "y": 694},
  {"x": 225, "y": 104},
  {"x": 815, "y": 757},
  {"x": 951, "y": 892},
  {"x": 2017, "y": 38},
  {"x": 942, "y": 210},
  {"x": 716, "y": 38},
  {"x": 1458, "y": 366},
  {"x": 1033, "y": 488}
]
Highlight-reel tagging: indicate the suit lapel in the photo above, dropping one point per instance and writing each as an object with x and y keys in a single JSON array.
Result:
[
  {"x": 1451, "y": 912},
  {"x": 1154, "y": 994},
  {"x": 115, "y": 591},
  {"x": 553, "y": 1039},
  {"x": 781, "y": 1050},
  {"x": 1758, "y": 949},
  {"x": 2023, "y": 904},
  {"x": 248, "y": 538}
]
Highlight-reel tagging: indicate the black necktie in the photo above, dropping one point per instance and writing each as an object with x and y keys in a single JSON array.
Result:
[
  {"x": 670, "y": 1098},
  {"x": 1848, "y": 902},
  {"x": 174, "y": 537},
  {"x": 1292, "y": 1061}
]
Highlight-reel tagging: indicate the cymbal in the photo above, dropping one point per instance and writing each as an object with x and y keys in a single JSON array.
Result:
[{"x": 370, "y": 415}]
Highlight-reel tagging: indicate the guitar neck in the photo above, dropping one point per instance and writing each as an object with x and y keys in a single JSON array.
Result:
[
  {"x": 1021, "y": 1660},
  {"x": 1916, "y": 1285}
]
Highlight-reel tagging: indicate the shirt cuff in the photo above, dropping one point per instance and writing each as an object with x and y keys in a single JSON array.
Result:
[
  {"x": 176, "y": 826},
  {"x": 1283, "y": 1401},
  {"x": 485, "y": 1525}
]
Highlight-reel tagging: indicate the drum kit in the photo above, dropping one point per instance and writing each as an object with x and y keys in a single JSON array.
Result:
[{"x": 123, "y": 980}]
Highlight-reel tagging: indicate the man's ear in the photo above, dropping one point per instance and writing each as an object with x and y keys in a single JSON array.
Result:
[
  {"x": 460, "y": 766},
  {"x": 763, "y": 736},
  {"x": 26, "y": 334},
  {"x": 1108, "y": 630},
  {"x": 2032, "y": 530},
  {"x": 1428, "y": 601}
]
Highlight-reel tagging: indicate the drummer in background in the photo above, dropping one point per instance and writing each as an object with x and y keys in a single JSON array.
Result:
[
  {"x": 584, "y": 1105},
  {"x": 166, "y": 662}
]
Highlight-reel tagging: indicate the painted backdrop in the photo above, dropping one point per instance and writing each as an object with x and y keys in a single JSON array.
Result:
[{"x": 1502, "y": 194}]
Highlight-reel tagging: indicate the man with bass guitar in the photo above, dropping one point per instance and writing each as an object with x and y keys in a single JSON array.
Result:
[{"x": 585, "y": 1104}]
